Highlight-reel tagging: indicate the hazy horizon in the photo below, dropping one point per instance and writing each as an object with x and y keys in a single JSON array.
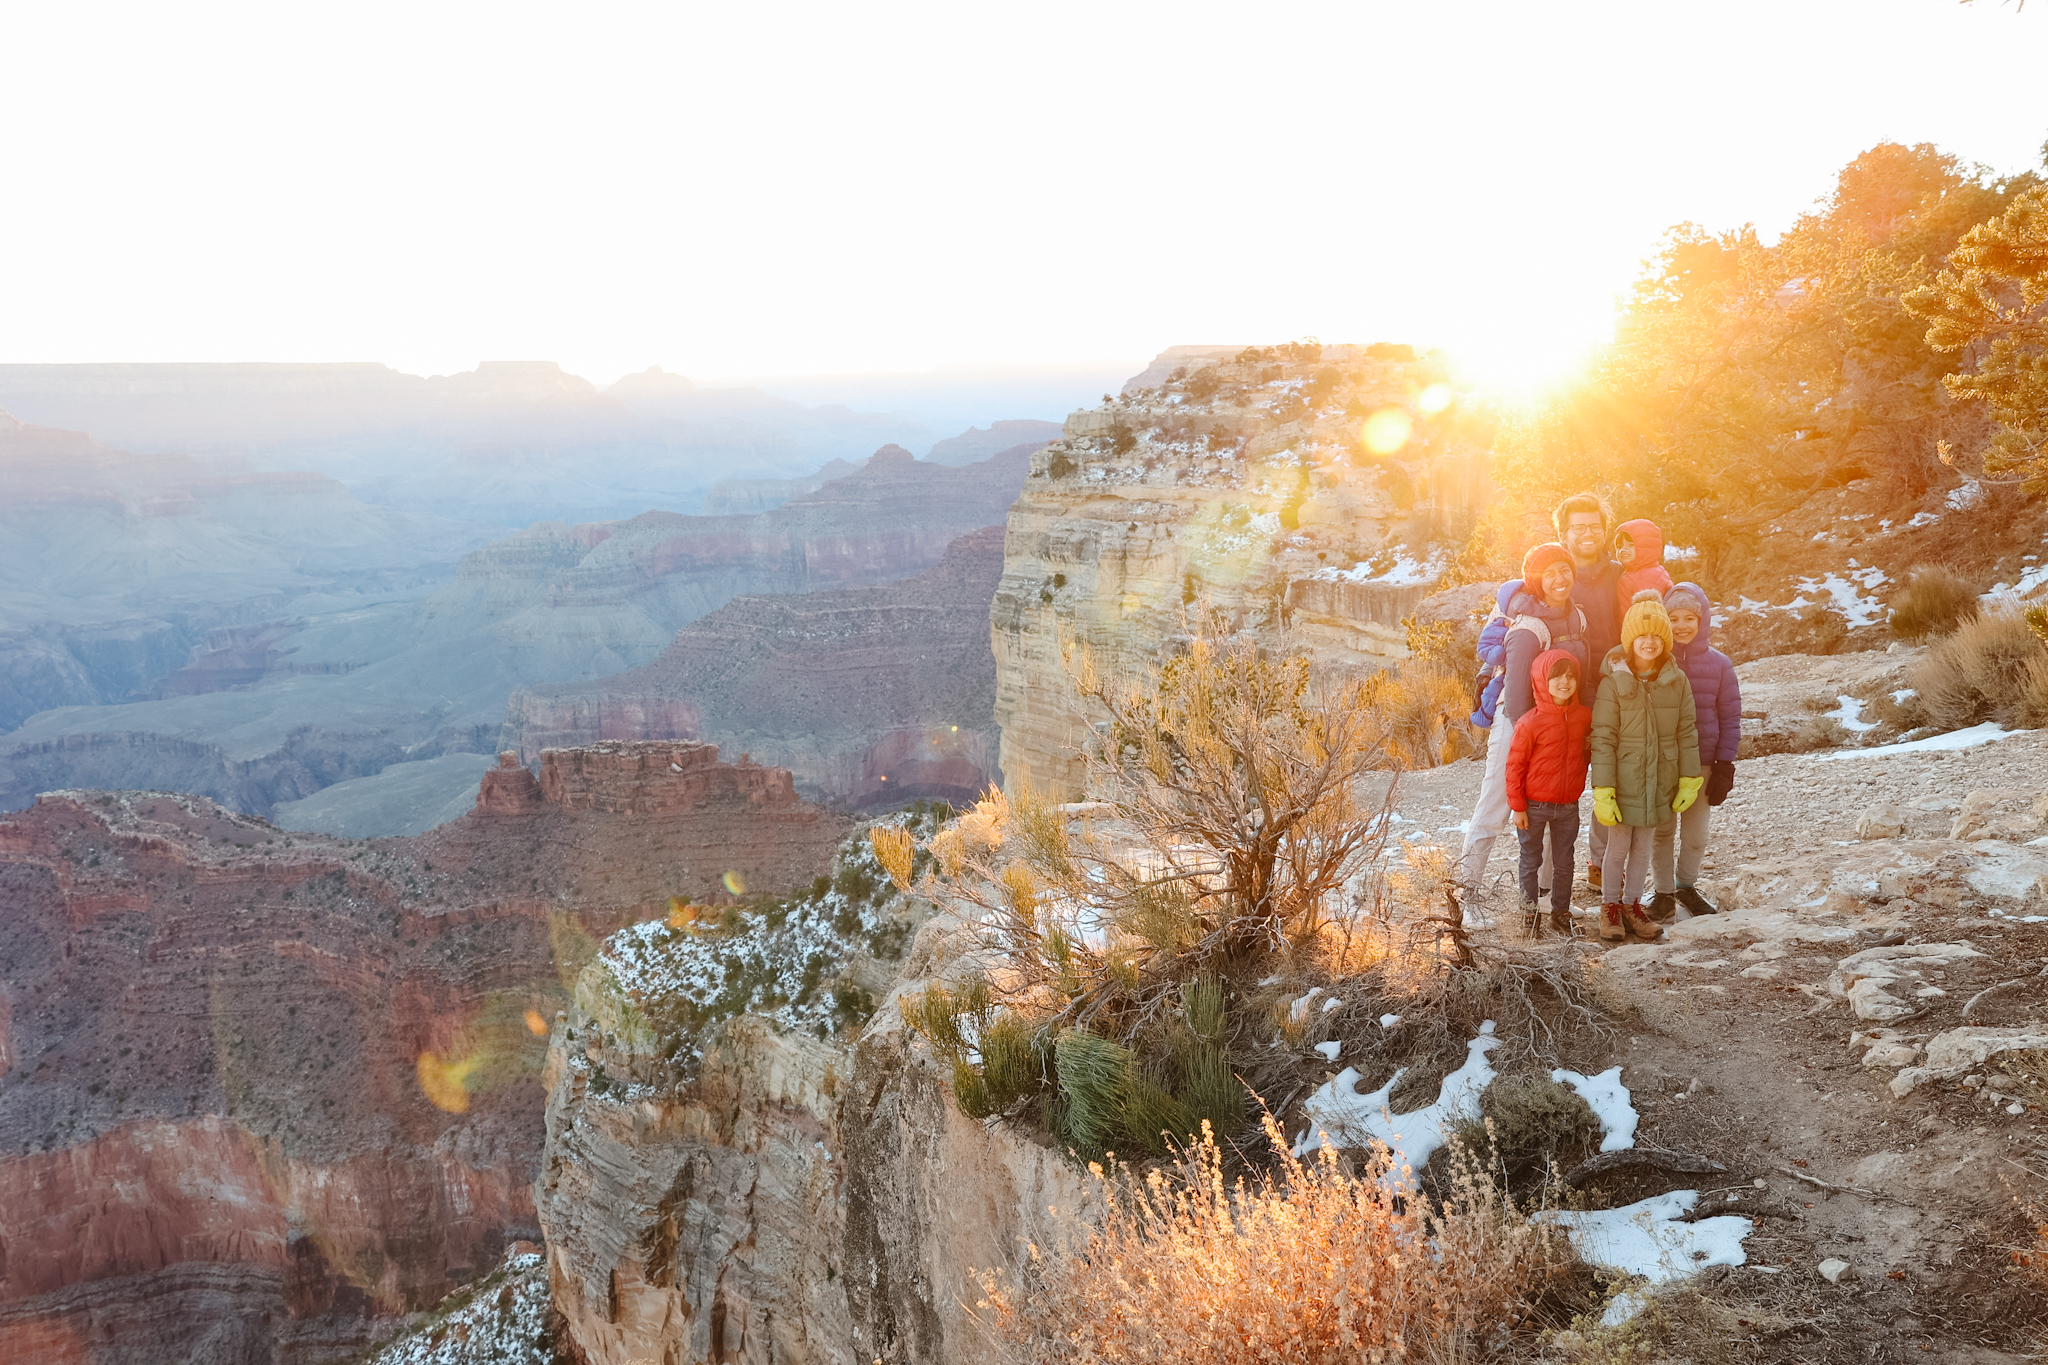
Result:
[{"x": 731, "y": 193}]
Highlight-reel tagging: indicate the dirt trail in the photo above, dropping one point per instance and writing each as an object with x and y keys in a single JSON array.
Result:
[{"x": 1736, "y": 1039}]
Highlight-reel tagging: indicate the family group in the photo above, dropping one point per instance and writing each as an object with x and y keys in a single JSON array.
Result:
[{"x": 1594, "y": 661}]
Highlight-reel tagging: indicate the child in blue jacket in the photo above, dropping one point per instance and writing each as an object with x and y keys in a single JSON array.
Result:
[{"x": 1717, "y": 699}]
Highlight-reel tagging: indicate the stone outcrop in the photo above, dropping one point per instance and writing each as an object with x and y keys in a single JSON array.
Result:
[
  {"x": 865, "y": 694},
  {"x": 796, "y": 1201},
  {"x": 1242, "y": 486},
  {"x": 260, "y": 1092}
]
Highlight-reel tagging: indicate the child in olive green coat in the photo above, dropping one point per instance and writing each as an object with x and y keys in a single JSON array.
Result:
[{"x": 1646, "y": 758}]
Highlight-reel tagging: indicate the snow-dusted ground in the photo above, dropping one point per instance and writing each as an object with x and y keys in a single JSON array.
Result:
[
  {"x": 503, "y": 1323},
  {"x": 1647, "y": 1239},
  {"x": 1343, "y": 1117},
  {"x": 1609, "y": 1100}
]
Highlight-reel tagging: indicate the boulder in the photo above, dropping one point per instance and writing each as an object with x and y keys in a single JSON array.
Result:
[
  {"x": 1883, "y": 821},
  {"x": 1836, "y": 1271},
  {"x": 1958, "y": 1051}
]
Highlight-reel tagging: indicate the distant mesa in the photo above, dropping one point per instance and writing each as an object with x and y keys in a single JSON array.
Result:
[
  {"x": 1000, "y": 438},
  {"x": 651, "y": 381},
  {"x": 869, "y": 695}
]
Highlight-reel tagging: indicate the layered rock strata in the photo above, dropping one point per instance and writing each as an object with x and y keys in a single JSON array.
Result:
[
  {"x": 873, "y": 694},
  {"x": 1308, "y": 498},
  {"x": 260, "y": 1092}
]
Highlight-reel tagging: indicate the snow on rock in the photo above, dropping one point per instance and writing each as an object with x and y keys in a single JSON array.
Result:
[
  {"x": 501, "y": 1321},
  {"x": 1342, "y": 1117},
  {"x": 1953, "y": 740},
  {"x": 1394, "y": 570},
  {"x": 1609, "y": 1100},
  {"x": 1647, "y": 1239},
  {"x": 1849, "y": 594}
]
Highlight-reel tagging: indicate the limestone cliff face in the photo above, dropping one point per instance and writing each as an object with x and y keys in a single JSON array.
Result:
[
  {"x": 1245, "y": 484},
  {"x": 794, "y": 1201},
  {"x": 866, "y": 694},
  {"x": 260, "y": 1091}
]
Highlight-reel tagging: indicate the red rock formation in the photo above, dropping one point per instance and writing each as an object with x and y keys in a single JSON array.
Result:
[
  {"x": 864, "y": 694},
  {"x": 263, "y": 1089}
]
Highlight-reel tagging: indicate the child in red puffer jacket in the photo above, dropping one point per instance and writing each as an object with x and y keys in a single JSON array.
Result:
[{"x": 1546, "y": 776}]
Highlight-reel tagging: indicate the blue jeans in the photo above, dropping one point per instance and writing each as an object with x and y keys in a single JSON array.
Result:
[{"x": 1563, "y": 824}]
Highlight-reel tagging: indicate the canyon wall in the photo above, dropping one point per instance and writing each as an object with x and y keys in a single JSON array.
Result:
[
  {"x": 274, "y": 711},
  {"x": 1243, "y": 485},
  {"x": 261, "y": 1092},
  {"x": 871, "y": 694}
]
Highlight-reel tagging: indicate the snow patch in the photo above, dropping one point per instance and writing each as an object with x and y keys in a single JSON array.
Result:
[
  {"x": 1397, "y": 570},
  {"x": 1344, "y": 1118},
  {"x": 1964, "y": 498},
  {"x": 2030, "y": 582},
  {"x": 1850, "y": 714},
  {"x": 1948, "y": 743},
  {"x": 1609, "y": 1100},
  {"x": 1330, "y": 1050},
  {"x": 1646, "y": 1238},
  {"x": 1922, "y": 519}
]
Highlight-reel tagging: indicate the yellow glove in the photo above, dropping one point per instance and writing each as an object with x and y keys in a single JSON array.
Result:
[
  {"x": 1605, "y": 808},
  {"x": 1688, "y": 792}
]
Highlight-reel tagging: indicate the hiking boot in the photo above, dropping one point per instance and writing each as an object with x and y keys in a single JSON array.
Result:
[
  {"x": 1593, "y": 878},
  {"x": 1610, "y": 921},
  {"x": 1663, "y": 906},
  {"x": 1695, "y": 902},
  {"x": 1640, "y": 924},
  {"x": 1561, "y": 922},
  {"x": 1532, "y": 920}
]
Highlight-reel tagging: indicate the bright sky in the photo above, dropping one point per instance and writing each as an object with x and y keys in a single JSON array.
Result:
[{"x": 756, "y": 188}]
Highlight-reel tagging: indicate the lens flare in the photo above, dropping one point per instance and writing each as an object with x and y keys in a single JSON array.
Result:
[
  {"x": 735, "y": 884},
  {"x": 446, "y": 1083},
  {"x": 1435, "y": 398},
  {"x": 536, "y": 1025},
  {"x": 1386, "y": 431}
]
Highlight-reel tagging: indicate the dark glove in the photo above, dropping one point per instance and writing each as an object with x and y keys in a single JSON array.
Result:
[{"x": 1720, "y": 781}]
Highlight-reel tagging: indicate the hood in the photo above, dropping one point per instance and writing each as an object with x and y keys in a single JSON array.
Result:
[
  {"x": 1539, "y": 675},
  {"x": 1504, "y": 598},
  {"x": 1694, "y": 596},
  {"x": 1649, "y": 543}
]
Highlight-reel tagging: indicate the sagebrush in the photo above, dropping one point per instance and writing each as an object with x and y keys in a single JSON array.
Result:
[{"x": 1310, "y": 1264}]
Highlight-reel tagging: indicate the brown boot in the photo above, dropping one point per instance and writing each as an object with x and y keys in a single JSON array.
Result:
[
  {"x": 1593, "y": 878},
  {"x": 1610, "y": 921},
  {"x": 1532, "y": 922},
  {"x": 1640, "y": 924},
  {"x": 1561, "y": 922}
]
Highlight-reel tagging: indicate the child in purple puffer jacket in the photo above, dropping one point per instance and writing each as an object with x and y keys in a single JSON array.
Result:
[{"x": 1717, "y": 698}]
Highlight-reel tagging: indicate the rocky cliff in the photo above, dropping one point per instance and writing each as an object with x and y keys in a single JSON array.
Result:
[
  {"x": 1315, "y": 492},
  {"x": 260, "y": 1092},
  {"x": 866, "y": 694},
  {"x": 794, "y": 1199}
]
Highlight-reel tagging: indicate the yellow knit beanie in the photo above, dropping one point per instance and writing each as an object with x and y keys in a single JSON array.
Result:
[{"x": 1646, "y": 616}]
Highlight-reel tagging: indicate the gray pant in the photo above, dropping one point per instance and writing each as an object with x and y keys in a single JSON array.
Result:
[
  {"x": 1690, "y": 830},
  {"x": 1630, "y": 849}
]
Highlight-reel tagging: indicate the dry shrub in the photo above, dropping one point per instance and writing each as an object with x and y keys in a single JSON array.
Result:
[
  {"x": 1527, "y": 1120},
  {"x": 1987, "y": 669},
  {"x": 1305, "y": 1266},
  {"x": 1934, "y": 602},
  {"x": 1425, "y": 709}
]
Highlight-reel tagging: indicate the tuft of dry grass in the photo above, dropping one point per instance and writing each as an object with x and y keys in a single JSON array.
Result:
[
  {"x": 1934, "y": 602},
  {"x": 1309, "y": 1265},
  {"x": 1987, "y": 669}
]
